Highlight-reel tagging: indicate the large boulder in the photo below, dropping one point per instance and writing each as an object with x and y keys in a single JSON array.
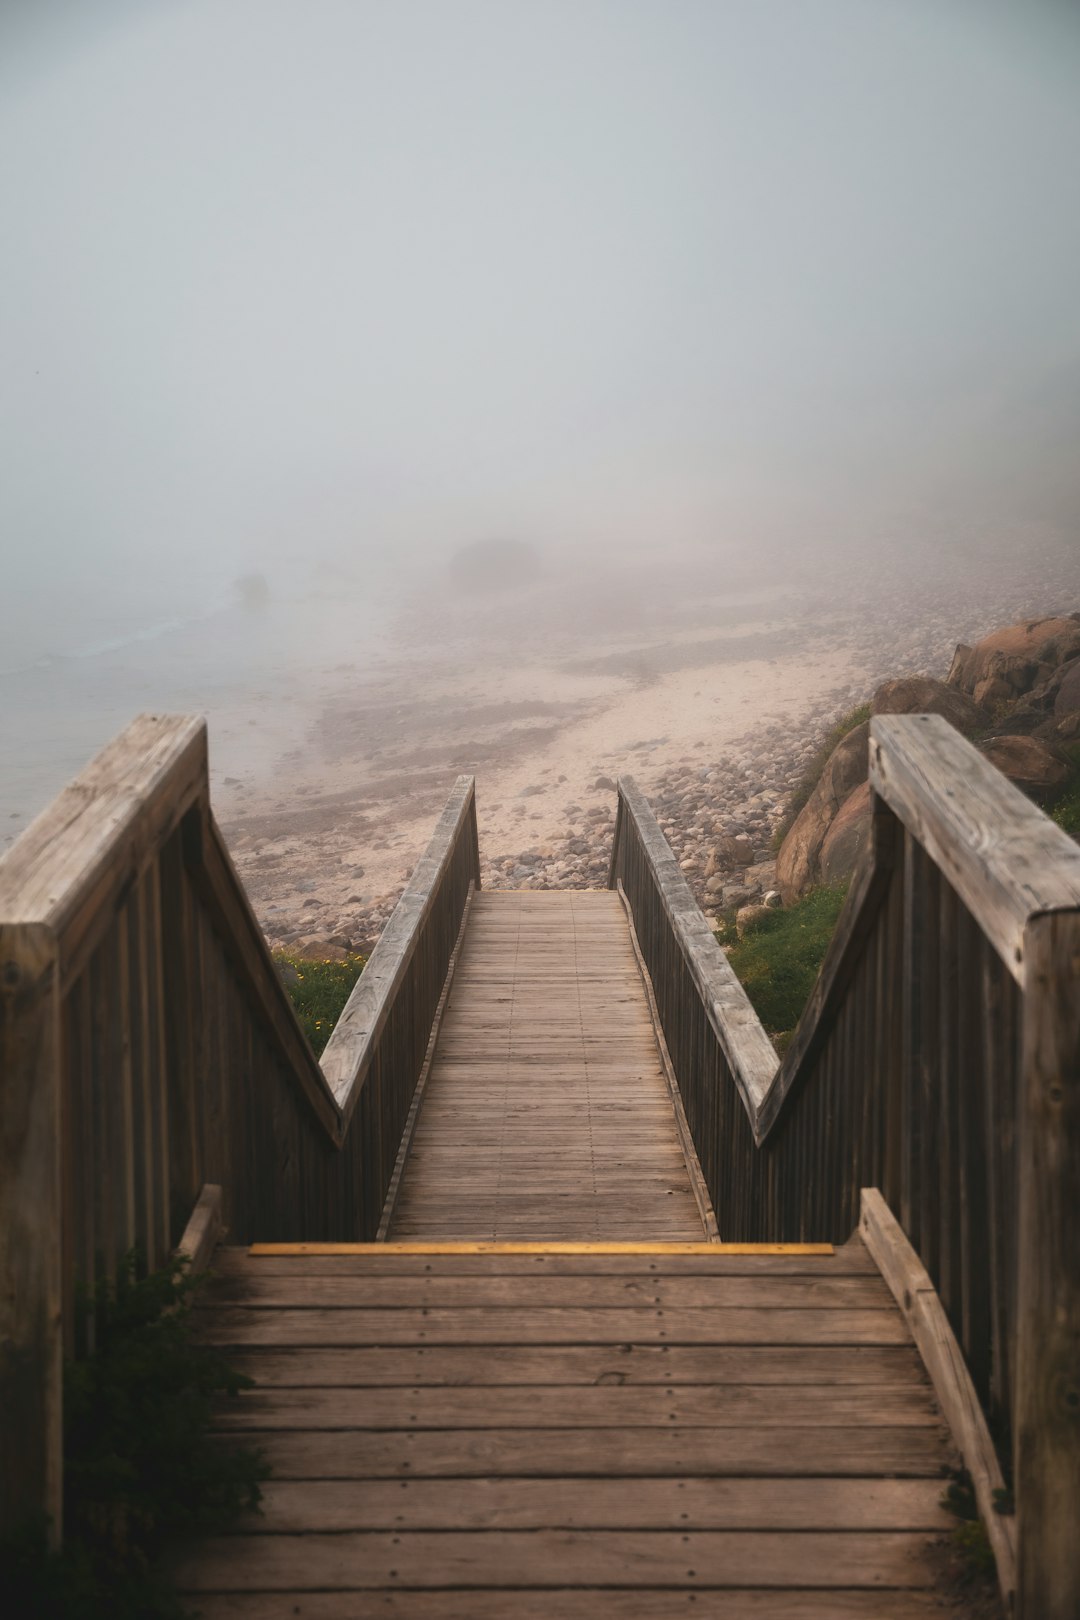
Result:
[
  {"x": 1030, "y": 764},
  {"x": 798, "y": 863},
  {"x": 1021, "y": 721},
  {"x": 1009, "y": 662},
  {"x": 729, "y": 852},
  {"x": 847, "y": 837},
  {"x": 918, "y": 694},
  {"x": 1067, "y": 696},
  {"x": 1051, "y": 711}
]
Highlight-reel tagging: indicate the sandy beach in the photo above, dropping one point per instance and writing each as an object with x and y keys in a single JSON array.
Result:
[{"x": 712, "y": 701}]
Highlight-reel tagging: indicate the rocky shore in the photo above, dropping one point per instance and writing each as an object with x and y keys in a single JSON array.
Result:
[{"x": 743, "y": 714}]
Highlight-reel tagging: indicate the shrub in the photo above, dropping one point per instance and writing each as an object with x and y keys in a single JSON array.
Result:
[
  {"x": 142, "y": 1470},
  {"x": 319, "y": 991}
]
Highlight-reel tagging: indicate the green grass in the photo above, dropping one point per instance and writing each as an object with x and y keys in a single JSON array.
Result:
[
  {"x": 1066, "y": 812},
  {"x": 779, "y": 957},
  {"x": 812, "y": 774},
  {"x": 319, "y": 991},
  {"x": 1065, "y": 807}
]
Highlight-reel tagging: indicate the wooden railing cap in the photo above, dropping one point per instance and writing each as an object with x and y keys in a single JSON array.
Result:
[
  {"x": 105, "y": 822},
  {"x": 348, "y": 1052},
  {"x": 1008, "y": 862},
  {"x": 749, "y": 1052}
]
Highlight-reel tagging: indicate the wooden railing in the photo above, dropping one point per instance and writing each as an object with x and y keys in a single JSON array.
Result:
[
  {"x": 938, "y": 1059},
  {"x": 148, "y": 1047}
]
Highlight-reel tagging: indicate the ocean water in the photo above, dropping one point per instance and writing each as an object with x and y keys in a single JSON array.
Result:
[{"x": 255, "y": 658}]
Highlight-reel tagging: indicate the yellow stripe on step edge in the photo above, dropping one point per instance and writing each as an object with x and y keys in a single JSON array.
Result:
[{"x": 266, "y": 1250}]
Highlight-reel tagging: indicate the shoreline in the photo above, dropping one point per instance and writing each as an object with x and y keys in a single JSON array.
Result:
[{"x": 715, "y": 720}]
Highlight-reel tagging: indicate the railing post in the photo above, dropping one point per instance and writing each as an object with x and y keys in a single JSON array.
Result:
[
  {"x": 31, "y": 1324},
  {"x": 1047, "y": 1416},
  {"x": 616, "y": 840}
]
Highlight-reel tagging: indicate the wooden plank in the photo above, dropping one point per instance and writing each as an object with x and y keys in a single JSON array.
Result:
[
  {"x": 918, "y": 1300},
  {"x": 604, "y": 1504},
  {"x": 350, "y": 1049},
  {"x": 552, "y": 1558},
  {"x": 330, "y": 1291},
  {"x": 647, "y": 1603},
  {"x": 490, "y": 1260},
  {"x": 71, "y": 865},
  {"x": 31, "y": 1226},
  {"x": 546, "y": 1095},
  {"x": 541, "y": 1249},
  {"x": 904, "y": 1452},
  {"x": 718, "y": 1406},
  {"x": 748, "y": 1051},
  {"x": 865, "y": 897},
  {"x": 235, "y": 1325},
  {"x": 405, "y": 1146},
  {"x": 1007, "y": 861},
  {"x": 1047, "y": 1416},
  {"x": 599, "y": 1365},
  {"x": 203, "y": 1231},
  {"x": 218, "y": 885},
  {"x": 698, "y": 1183}
]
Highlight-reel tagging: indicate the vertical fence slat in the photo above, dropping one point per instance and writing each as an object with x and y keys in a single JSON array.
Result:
[
  {"x": 1047, "y": 1423},
  {"x": 31, "y": 1225}
]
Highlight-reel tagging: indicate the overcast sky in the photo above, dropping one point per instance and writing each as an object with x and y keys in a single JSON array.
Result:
[{"x": 334, "y": 276}]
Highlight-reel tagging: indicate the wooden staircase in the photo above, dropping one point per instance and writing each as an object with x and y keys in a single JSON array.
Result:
[
  {"x": 601, "y": 1434},
  {"x": 504, "y": 1365}
]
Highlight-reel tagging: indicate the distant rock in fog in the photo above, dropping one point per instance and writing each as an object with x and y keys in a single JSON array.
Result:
[{"x": 495, "y": 565}]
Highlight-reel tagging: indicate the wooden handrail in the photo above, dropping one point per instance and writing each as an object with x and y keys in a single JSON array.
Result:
[
  {"x": 938, "y": 1059},
  {"x": 1008, "y": 862},
  {"x": 72, "y": 865},
  {"x": 348, "y": 1054},
  {"x": 750, "y": 1055},
  {"x": 148, "y": 1047}
]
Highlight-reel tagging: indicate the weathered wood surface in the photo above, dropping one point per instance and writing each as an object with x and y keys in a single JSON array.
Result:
[
  {"x": 673, "y": 1291},
  {"x": 405, "y": 1145},
  {"x": 1047, "y": 1443},
  {"x": 352, "y": 1046},
  {"x": 148, "y": 1047},
  {"x": 31, "y": 1225},
  {"x": 917, "y": 1298},
  {"x": 560, "y": 1450},
  {"x": 698, "y": 1184},
  {"x": 518, "y": 1259},
  {"x": 938, "y": 1059},
  {"x": 71, "y": 866},
  {"x": 546, "y": 1113},
  {"x": 649, "y": 1603},
  {"x": 203, "y": 1232},
  {"x": 749, "y": 1054},
  {"x": 1006, "y": 860},
  {"x": 289, "y": 1506},
  {"x": 550, "y": 1558}
]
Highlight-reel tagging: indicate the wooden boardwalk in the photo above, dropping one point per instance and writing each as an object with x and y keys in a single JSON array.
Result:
[
  {"x": 546, "y": 1114},
  {"x": 458, "y": 1436},
  {"x": 458, "y": 1431}
]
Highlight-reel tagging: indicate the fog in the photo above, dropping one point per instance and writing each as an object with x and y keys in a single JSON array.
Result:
[{"x": 324, "y": 292}]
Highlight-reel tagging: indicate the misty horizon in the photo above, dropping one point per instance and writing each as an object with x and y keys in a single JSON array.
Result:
[{"x": 319, "y": 297}]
